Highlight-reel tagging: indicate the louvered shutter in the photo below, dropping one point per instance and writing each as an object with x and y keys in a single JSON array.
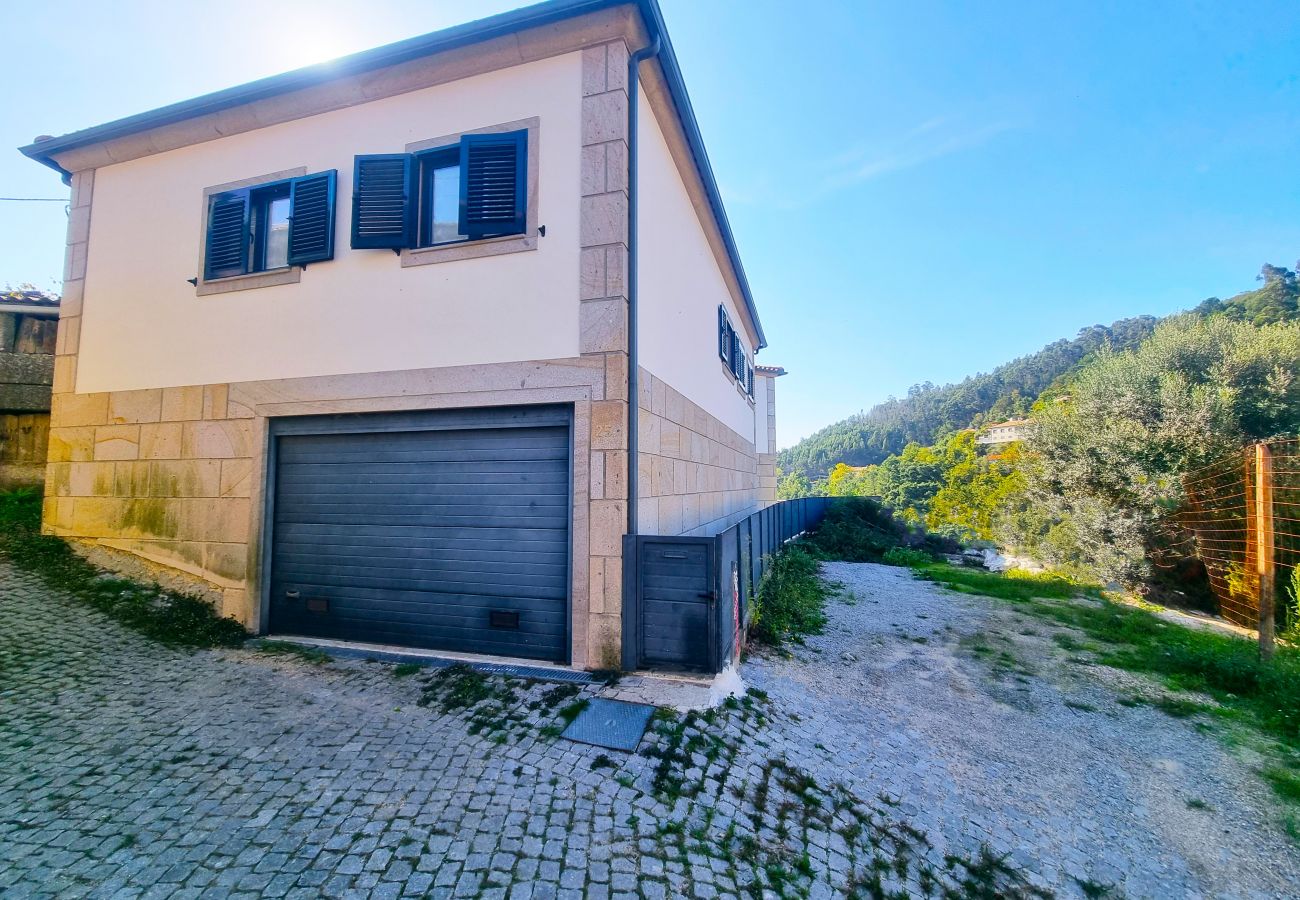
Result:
[
  {"x": 493, "y": 183},
  {"x": 724, "y": 342},
  {"x": 383, "y": 201},
  {"x": 226, "y": 252},
  {"x": 749, "y": 380},
  {"x": 737, "y": 357},
  {"x": 311, "y": 218}
]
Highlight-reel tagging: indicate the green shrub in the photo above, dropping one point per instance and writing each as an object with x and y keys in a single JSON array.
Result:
[
  {"x": 907, "y": 557},
  {"x": 858, "y": 530},
  {"x": 791, "y": 600}
]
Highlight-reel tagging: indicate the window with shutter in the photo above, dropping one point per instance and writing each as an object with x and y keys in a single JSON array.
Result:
[
  {"x": 493, "y": 184},
  {"x": 311, "y": 218},
  {"x": 226, "y": 252},
  {"x": 383, "y": 202},
  {"x": 270, "y": 226},
  {"x": 724, "y": 342}
]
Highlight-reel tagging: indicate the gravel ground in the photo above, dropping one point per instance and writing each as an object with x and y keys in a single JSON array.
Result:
[{"x": 987, "y": 730}]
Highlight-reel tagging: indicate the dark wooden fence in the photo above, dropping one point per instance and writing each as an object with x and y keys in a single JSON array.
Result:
[{"x": 686, "y": 599}]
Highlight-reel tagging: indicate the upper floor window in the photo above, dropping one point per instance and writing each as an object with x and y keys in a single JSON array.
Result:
[
  {"x": 270, "y": 226},
  {"x": 732, "y": 353},
  {"x": 474, "y": 189}
]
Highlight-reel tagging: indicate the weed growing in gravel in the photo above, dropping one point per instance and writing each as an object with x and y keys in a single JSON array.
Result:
[
  {"x": 167, "y": 617},
  {"x": 791, "y": 599},
  {"x": 1198, "y": 803},
  {"x": 406, "y": 669}
]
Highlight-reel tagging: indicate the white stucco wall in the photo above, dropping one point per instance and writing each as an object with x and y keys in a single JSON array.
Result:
[
  {"x": 680, "y": 288},
  {"x": 144, "y": 327}
]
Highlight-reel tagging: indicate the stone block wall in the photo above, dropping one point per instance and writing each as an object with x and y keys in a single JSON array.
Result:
[
  {"x": 603, "y": 319},
  {"x": 164, "y": 474},
  {"x": 767, "y": 461},
  {"x": 697, "y": 476}
]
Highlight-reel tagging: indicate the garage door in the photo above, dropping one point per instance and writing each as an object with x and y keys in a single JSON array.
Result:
[{"x": 448, "y": 531}]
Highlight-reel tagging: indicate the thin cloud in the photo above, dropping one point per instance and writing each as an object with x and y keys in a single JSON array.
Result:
[
  {"x": 930, "y": 140},
  {"x": 927, "y": 142}
]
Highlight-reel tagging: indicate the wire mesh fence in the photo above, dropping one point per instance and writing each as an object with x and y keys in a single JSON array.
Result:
[{"x": 1243, "y": 512}]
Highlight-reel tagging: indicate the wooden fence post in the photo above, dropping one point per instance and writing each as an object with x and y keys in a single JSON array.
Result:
[{"x": 1264, "y": 545}]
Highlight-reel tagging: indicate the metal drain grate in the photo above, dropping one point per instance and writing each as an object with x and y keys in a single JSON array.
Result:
[{"x": 615, "y": 724}]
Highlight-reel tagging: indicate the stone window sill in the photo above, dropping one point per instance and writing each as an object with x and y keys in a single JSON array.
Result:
[
  {"x": 511, "y": 243},
  {"x": 291, "y": 275}
]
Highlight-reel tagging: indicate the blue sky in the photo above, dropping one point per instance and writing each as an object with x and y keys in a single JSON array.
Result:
[{"x": 920, "y": 190}]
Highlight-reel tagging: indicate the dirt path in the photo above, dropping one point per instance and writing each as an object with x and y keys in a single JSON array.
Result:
[{"x": 985, "y": 729}]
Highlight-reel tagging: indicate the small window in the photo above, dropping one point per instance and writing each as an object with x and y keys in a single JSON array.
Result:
[
  {"x": 269, "y": 209},
  {"x": 440, "y": 198},
  {"x": 473, "y": 189},
  {"x": 270, "y": 226}
]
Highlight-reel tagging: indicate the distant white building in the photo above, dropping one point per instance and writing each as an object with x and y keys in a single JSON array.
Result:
[{"x": 1005, "y": 432}]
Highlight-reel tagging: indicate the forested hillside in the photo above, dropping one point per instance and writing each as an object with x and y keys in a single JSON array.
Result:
[{"x": 928, "y": 411}]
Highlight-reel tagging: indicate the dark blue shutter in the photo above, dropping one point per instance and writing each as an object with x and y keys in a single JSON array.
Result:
[
  {"x": 724, "y": 341},
  {"x": 311, "y": 218},
  {"x": 493, "y": 183},
  {"x": 226, "y": 252},
  {"x": 383, "y": 202},
  {"x": 749, "y": 380},
  {"x": 737, "y": 357}
]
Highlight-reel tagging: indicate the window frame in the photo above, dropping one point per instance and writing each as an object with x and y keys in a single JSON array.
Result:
[
  {"x": 427, "y": 162},
  {"x": 475, "y": 247},
  {"x": 259, "y": 213},
  {"x": 736, "y": 361},
  {"x": 204, "y": 285}
]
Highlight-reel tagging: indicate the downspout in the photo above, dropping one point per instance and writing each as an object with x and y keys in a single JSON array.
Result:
[{"x": 633, "y": 387}]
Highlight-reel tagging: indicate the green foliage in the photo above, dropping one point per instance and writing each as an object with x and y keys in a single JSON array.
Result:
[
  {"x": 906, "y": 557},
  {"x": 929, "y": 412},
  {"x": 1292, "y": 600},
  {"x": 1107, "y": 477},
  {"x": 170, "y": 618},
  {"x": 792, "y": 486},
  {"x": 1278, "y": 300},
  {"x": 791, "y": 600},
  {"x": 1015, "y": 585},
  {"x": 856, "y": 531}
]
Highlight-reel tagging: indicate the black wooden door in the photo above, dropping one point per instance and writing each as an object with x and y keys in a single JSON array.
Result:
[{"x": 450, "y": 534}]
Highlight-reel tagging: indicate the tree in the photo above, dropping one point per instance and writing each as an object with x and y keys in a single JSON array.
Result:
[
  {"x": 793, "y": 485},
  {"x": 1110, "y": 459}
]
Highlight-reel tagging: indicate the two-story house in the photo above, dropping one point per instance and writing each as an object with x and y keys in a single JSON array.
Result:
[{"x": 349, "y": 350}]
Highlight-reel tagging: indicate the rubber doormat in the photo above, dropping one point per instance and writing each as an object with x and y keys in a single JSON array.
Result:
[{"x": 615, "y": 724}]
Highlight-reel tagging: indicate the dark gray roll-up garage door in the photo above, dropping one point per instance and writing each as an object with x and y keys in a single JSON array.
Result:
[{"x": 446, "y": 530}]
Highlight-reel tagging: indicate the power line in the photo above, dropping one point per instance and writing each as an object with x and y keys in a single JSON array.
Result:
[{"x": 36, "y": 199}]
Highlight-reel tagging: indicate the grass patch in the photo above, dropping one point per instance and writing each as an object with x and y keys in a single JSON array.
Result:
[
  {"x": 1285, "y": 782},
  {"x": 1015, "y": 585},
  {"x": 174, "y": 619},
  {"x": 1264, "y": 694},
  {"x": 906, "y": 557},
  {"x": 791, "y": 600},
  {"x": 406, "y": 669},
  {"x": 1198, "y": 803},
  {"x": 313, "y": 655}
]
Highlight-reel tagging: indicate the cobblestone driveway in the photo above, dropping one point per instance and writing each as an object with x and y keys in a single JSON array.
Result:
[{"x": 129, "y": 770}]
